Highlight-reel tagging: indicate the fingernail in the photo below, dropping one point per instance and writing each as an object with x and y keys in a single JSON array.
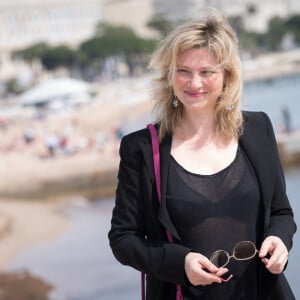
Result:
[
  {"x": 226, "y": 279},
  {"x": 265, "y": 261}
]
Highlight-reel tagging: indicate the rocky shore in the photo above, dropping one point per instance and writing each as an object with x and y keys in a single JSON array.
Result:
[
  {"x": 22, "y": 286},
  {"x": 24, "y": 224}
]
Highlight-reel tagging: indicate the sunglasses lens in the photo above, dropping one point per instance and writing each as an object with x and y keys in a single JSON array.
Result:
[
  {"x": 244, "y": 250},
  {"x": 219, "y": 258}
]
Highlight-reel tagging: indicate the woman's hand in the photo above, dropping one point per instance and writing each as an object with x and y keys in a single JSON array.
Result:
[
  {"x": 278, "y": 252},
  {"x": 200, "y": 271}
]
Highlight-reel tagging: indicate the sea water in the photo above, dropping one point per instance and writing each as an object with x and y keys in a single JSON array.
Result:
[{"x": 274, "y": 95}]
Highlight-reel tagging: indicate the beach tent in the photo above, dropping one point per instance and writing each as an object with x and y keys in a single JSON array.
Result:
[{"x": 67, "y": 91}]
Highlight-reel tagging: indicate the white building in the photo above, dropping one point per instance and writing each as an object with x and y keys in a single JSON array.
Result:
[
  {"x": 255, "y": 13},
  {"x": 25, "y": 22},
  {"x": 131, "y": 13}
]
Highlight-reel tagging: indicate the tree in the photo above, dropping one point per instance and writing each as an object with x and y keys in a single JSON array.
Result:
[
  {"x": 31, "y": 53},
  {"x": 60, "y": 56},
  {"x": 13, "y": 87},
  {"x": 121, "y": 39},
  {"x": 275, "y": 34},
  {"x": 247, "y": 40},
  {"x": 161, "y": 24},
  {"x": 293, "y": 25},
  {"x": 116, "y": 41},
  {"x": 237, "y": 24}
]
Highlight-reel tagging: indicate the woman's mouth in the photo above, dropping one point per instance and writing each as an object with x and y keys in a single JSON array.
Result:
[{"x": 195, "y": 94}]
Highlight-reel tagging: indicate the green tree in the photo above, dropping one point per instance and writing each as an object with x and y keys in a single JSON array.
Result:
[
  {"x": 111, "y": 40},
  {"x": 60, "y": 56},
  {"x": 161, "y": 24},
  {"x": 293, "y": 25},
  {"x": 116, "y": 41},
  {"x": 248, "y": 40},
  {"x": 275, "y": 34},
  {"x": 237, "y": 24},
  {"x": 13, "y": 87},
  {"x": 31, "y": 53}
]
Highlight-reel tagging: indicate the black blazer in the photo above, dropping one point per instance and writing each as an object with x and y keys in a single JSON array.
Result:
[{"x": 137, "y": 236}]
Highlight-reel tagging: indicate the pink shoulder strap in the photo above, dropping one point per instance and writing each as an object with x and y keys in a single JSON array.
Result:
[
  {"x": 156, "y": 158},
  {"x": 156, "y": 164}
]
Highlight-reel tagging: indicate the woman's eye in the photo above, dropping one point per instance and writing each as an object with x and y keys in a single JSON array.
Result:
[
  {"x": 206, "y": 73},
  {"x": 182, "y": 71}
]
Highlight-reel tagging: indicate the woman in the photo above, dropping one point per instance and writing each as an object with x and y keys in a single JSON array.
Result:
[{"x": 221, "y": 180}]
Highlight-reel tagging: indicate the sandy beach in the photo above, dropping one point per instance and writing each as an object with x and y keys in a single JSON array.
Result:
[
  {"x": 34, "y": 188},
  {"x": 26, "y": 223}
]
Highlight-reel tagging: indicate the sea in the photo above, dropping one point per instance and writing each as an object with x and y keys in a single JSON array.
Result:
[{"x": 80, "y": 265}]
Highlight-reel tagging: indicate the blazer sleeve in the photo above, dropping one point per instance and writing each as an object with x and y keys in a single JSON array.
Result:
[
  {"x": 158, "y": 258},
  {"x": 281, "y": 222}
]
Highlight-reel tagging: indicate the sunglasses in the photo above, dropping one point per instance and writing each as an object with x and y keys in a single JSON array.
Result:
[{"x": 242, "y": 251}]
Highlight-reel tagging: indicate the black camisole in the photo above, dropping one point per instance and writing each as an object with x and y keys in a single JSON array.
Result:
[{"x": 213, "y": 212}]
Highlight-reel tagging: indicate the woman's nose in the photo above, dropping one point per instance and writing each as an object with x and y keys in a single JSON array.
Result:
[{"x": 196, "y": 81}]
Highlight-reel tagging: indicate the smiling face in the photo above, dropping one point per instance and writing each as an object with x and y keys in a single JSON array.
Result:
[{"x": 198, "y": 81}]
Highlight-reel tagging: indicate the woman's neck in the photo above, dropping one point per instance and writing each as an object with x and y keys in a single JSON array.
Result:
[{"x": 197, "y": 127}]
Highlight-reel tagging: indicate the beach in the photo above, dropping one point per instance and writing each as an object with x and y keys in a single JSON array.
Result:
[
  {"x": 35, "y": 187},
  {"x": 24, "y": 224}
]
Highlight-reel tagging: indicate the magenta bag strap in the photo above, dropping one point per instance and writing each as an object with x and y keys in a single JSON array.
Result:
[{"x": 156, "y": 163}]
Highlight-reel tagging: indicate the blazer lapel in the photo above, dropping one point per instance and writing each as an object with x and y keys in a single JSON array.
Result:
[
  {"x": 146, "y": 147},
  {"x": 256, "y": 147},
  {"x": 164, "y": 150},
  {"x": 163, "y": 214}
]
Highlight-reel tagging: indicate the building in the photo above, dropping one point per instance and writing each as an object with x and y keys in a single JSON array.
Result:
[
  {"x": 134, "y": 14},
  {"x": 255, "y": 13},
  {"x": 25, "y": 22}
]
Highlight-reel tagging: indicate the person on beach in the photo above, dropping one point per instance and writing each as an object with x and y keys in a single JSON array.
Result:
[{"x": 223, "y": 194}]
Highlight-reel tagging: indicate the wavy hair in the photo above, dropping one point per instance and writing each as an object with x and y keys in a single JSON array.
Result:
[{"x": 215, "y": 33}]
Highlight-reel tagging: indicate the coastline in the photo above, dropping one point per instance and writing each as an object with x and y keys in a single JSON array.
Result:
[
  {"x": 34, "y": 190},
  {"x": 272, "y": 65},
  {"x": 27, "y": 223}
]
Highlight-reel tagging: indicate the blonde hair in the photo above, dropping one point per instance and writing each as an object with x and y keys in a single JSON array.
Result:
[{"x": 215, "y": 33}]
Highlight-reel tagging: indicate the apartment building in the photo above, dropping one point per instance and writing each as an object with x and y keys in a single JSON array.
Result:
[
  {"x": 131, "y": 13},
  {"x": 25, "y": 22},
  {"x": 255, "y": 13}
]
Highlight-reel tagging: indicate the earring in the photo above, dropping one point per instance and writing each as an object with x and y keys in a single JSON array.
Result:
[
  {"x": 175, "y": 102},
  {"x": 230, "y": 107}
]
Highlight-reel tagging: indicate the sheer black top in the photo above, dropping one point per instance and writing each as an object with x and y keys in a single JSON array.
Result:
[{"x": 213, "y": 212}]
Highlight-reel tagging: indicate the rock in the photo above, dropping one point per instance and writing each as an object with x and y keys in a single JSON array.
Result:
[{"x": 23, "y": 286}]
